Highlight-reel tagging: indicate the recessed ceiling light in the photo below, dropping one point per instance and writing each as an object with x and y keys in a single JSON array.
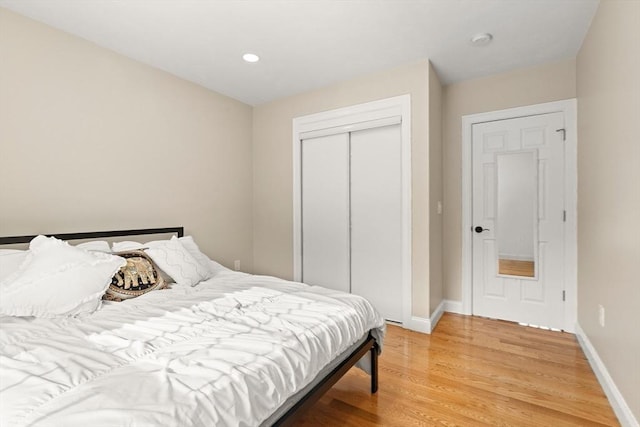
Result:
[
  {"x": 481, "y": 39},
  {"x": 251, "y": 57}
]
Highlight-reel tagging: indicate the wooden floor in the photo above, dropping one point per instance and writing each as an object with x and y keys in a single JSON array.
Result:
[{"x": 471, "y": 371}]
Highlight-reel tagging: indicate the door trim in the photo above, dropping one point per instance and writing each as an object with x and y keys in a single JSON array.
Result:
[
  {"x": 568, "y": 107},
  {"x": 361, "y": 116}
]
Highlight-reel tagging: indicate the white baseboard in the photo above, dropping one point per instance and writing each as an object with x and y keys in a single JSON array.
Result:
[
  {"x": 451, "y": 306},
  {"x": 424, "y": 325},
  {"x": 436, "y": 315},
  {"x": 619, "y": 405},
  {"x": 419, "y": 324}
]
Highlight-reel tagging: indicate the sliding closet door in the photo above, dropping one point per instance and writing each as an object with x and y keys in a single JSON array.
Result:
[
  {"x": 325, "y": 211},
  {"x": 376, "y": 218}
]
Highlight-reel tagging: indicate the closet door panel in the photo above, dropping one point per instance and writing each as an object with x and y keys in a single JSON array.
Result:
[
  {"x": 376, "y": 218},
  {"x": 325, "y": 211}
]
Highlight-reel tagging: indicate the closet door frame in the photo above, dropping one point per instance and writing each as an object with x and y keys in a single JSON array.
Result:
[{"x": 349, "y": 119}]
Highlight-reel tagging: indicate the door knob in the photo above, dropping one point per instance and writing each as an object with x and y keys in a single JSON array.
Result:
[{"x": 479, "y": 229}]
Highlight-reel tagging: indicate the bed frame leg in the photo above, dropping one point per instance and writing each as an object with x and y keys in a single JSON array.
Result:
[{"x": 374, "y": 369}]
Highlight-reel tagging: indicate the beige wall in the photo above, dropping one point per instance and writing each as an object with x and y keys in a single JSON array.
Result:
[
  {"x": 92, "y": 140},
  {"x": 435, "y": 190},
  {"x": 272, "y": 160},
  {"x": 533, "y": 85},
  {"x": 608, "y": 85}
]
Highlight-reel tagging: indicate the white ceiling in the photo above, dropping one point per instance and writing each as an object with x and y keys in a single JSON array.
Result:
[{"x": 308, "y": 44}]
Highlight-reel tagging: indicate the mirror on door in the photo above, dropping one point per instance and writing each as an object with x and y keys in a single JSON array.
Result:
[{"x": 517, "y": 219}]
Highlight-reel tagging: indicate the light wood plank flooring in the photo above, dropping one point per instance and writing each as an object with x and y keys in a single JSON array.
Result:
[{"x": 471, "y": 371}]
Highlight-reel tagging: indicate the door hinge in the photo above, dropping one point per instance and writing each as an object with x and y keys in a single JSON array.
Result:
[
  {"x": 564, "y": 133},
  {"x": 564, "y": 216},
  {"x": 564, "y": 295}
]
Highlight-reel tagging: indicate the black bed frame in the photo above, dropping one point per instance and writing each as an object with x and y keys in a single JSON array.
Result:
[
  {"x": 306, "y": 401},
  {"x": 179, "y": 231}
]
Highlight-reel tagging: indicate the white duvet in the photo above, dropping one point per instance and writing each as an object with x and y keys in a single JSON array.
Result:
[{"x": 227, "y": 352}]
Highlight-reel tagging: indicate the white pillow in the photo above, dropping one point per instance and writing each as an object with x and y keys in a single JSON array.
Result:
[
  {"x": 172, "y": 258},
  {"x": 95, "y": 245},
  {"x": 127, "y": 246},
  {"x": 10, "y": 261},
  {"x": 56, "y": 280},
  {"x": 207, "y": 263}
]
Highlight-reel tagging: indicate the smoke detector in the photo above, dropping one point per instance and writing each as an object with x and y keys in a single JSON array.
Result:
[{"x": 481, "y": 39}]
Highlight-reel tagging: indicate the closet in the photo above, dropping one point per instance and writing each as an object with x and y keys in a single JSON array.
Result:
[{"x": 351, "y": 212}]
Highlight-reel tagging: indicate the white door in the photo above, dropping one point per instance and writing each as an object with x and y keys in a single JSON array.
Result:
[
  {"x": 518, "y": 219},
  {"x": 376, "y": 218},
  {"x": 325, "y": 212}
]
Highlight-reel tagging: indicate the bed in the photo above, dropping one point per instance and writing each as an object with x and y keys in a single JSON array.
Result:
[{"x": 232, "y": 350}]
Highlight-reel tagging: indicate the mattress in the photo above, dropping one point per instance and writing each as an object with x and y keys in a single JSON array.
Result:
[{"x": 230, "y": 351}]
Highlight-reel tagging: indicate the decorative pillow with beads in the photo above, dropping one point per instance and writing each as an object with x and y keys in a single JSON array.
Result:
[{"x": 139, "y": 276}]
